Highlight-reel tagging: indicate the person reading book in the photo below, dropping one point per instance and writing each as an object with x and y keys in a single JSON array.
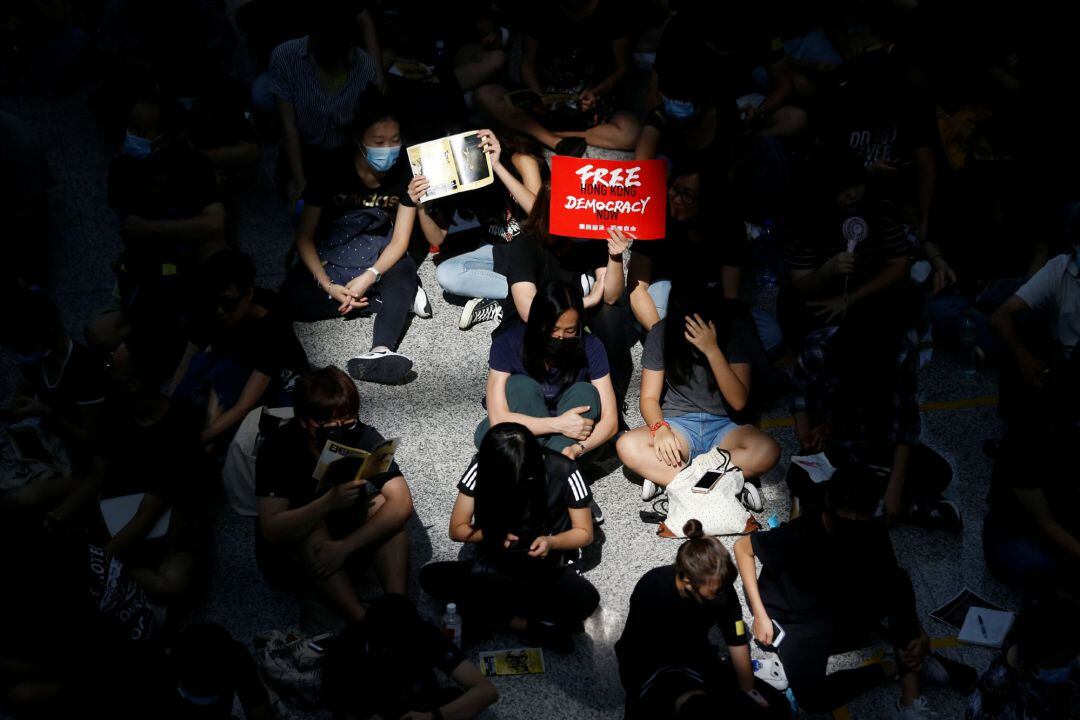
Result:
[
  {"x": 806, "y": 592},
  {"x": 322, "y": 536},
  {"x": 526, "y": 508}
]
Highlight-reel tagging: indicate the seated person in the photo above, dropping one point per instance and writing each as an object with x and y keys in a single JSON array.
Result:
[
  {"x": 171, "y": 220},
  {"x": 240, "y": 353},
  {"x": 848, "y": 259},
  {"x": 62, "y": 381},
  {"x": 697, "y": 369},
  {"x": 317, "y": 81},
  {"x": 480, "y": 274},
  {"x": 527, "y": 509},
  {"x": 581, "y": 49},
  {"x": 551, "y": 377},
  {"x": 207, "y": 670},
  {"x": 538, "y": 256},
  {"x": 699, "y": 250},
  {"x": 692, "y": 595},
  {"x": 317, "y": 535},
  {"x": 806, "y": 591},
  {"x": 1031, "y": 534},
  {"x": 1036, "y": 675},
  {"x": 360, "y": 208},
  {"x": 396, "y": 652},
  {"x": 146, "y": 447}
]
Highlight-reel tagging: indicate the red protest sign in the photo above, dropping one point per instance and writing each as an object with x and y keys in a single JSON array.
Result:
[{"x": 588, "y": 196}]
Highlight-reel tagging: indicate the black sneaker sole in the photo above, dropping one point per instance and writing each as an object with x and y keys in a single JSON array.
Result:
[{"x": 387, "y": 370}]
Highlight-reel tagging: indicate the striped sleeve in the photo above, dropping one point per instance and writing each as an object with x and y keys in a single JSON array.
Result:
[
  {"x": 467, "y": 484},
  {"x": 577, "y": 490}
]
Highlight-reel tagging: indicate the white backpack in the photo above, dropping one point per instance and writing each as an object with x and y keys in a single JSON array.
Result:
[
  {"x": 720, "y": 511},
  {"x": 238, "y": 475}
]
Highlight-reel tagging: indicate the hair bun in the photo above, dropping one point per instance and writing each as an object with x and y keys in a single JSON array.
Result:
[{"x": 693, "y": 529}]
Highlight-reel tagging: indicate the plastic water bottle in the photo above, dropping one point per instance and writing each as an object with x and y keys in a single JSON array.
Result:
[
  {"x": 451, "y": 624},
  {"x": 967, "y": 343},
  {"x": 768, "y": 276}
]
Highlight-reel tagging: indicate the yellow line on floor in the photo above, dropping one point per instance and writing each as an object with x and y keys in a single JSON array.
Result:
[{"x": 963, "y": 404}]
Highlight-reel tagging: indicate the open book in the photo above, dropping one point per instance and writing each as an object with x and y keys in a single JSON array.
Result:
[
  {"x": 537, "y": 101},
  {"x": 451, "y": 164},
  {"x": 341, "y": 464},
  {"x": 522, "y": 661}
]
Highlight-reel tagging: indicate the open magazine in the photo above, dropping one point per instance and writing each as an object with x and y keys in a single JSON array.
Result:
[
  {"x": 341, "y": 464},
  {"x": 451, "y": 164},
  {"x": 522, "y": 661},
  {"x": 536, "y": 101}
]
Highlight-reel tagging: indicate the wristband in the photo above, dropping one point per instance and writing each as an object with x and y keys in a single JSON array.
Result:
[
  {"x": 582, "y": 446},
  {"x": 654, "y": 428},
  {"x": 378, "y": 275}
]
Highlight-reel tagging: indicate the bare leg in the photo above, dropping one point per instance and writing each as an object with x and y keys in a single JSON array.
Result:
[
  {"x": 489, "y": 98},
  {"x": 619, "y": 133},
  {"x": 46, "y": 490},
  {"x": 787, "y": 120},
  {"x": 475, "y": 66},
  {"x": 107, "y": 331},
  {"x": 171, "y": 579},
  {"x": 337, "y": 588},
  {"x": 635, "y": 449},
  {"x": 392, "y": 563},
  {"x": 752, "y": 450}
]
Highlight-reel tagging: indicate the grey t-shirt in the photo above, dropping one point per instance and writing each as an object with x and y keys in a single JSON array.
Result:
[{"x": 697, "y": 395}]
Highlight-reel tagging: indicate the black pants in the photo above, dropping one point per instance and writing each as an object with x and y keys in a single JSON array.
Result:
[
  {"x": 806, "y": 648},
  {"x": 611, "y": 326},
  {"x": 390, "y": 300},
  {"x": 928, "y": 474},
  {"x": 562, "y": 595}
]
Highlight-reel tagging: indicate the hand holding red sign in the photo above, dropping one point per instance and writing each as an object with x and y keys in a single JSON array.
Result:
[{"x": 591, "y": 197}]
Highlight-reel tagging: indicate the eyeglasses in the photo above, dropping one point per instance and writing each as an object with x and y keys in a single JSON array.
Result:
[
  {"x": 682, "y": 195},
  {"x": 326, "y": 425}
]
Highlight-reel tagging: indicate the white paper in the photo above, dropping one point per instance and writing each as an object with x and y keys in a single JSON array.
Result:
[
  {"x": 817, "y": 466},
  {"x": 118, "y": 511},
  {"x": 991, "y": 632}
]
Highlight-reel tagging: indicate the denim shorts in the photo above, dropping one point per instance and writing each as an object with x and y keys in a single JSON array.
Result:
[{"x": 702, "y": 431}]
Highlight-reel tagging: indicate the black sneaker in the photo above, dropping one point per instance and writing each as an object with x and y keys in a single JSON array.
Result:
[
  {"x": 380, "y": 366},
  {"x": 421, "y": 306},
  {"x": 549, "y": 635},
  {"x": 480, "y": 310},
  {"x": 571, "y": 146},
  {"x": 938, "y": 515}
]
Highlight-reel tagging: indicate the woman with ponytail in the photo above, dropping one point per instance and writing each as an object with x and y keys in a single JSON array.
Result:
[{"x": 669, "y": 668}]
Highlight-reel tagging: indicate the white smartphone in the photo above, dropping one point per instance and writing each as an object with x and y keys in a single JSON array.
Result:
[{"x": 707, "y": 482}]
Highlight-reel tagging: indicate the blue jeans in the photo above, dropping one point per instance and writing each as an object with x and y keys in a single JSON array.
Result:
[
  {"x": 472, "y": 274},
  {"x": 946, "y": 312},
  {"x": 702, "y": 431},
  {"x": 812, "y": 47},
  {"x": 768, "y": 328}
]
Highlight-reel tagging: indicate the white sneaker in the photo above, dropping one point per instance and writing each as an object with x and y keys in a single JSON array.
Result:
[
  {"x": 649, "y": 490},
  {"x": 934, "y": 672},
  {"x": 771, "y": 670},
  {"x": 421, "y": 306},
  {"x": 480, "y": 310},
  {"x": 918, "y": 710},
  {"x": 380, "y": 366}
]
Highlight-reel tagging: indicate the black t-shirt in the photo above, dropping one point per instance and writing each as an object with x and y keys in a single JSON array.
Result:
[
  {"x": 809, "y": 574},
  {"x": 175, "y": 183},
  {"x": 284, "y": 467},
  {"x": 1030, "y": 459},
  {"x": 573, "y": 53},
  {"x": 686, "y": 622},
  {"x": 693, "y": 257},
  {"x": 81, "y": 383},
  {"x": 675, "y": 146},
  {"x": 567, "y": 261},
  {"x": 334, "y": 186},
  {"x": 267, "y": 344},
  {"x": 878, "y": 237},
  {"x": 566, "y": 489}
]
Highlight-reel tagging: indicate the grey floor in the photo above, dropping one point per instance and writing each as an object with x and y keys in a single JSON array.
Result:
[{"x": 435, "y": 415}]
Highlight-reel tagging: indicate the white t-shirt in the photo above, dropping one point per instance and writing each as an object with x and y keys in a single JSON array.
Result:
[{"x": 1054, "y": 292}]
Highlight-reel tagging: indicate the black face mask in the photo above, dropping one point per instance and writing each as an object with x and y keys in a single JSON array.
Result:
[
  {"x": 337, "y": 434},
  {"x": 562, "y": 351}
]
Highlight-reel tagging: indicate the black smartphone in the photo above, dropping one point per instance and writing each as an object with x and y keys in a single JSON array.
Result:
[{"x": 708, "y": 481}]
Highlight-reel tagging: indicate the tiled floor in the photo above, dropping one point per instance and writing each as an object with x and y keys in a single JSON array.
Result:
[{"x": 435, "y": 416}]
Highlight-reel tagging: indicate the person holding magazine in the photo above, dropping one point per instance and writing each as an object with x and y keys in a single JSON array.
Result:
[
  {"x": 551, "y": 377},
  {"x": 697, "y": 368},
  {"x": 526, "y": 508},
  {"x": 360, "y": 210},
  {"x": 480, "y": 274},
  {"x": 323, "y": 535},
  {"x": 682, "y": 676}
]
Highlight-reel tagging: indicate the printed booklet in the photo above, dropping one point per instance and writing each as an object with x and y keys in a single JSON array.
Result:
[
  {"x": 451, "y": 164},
  {"x": 341, "y": 464}
]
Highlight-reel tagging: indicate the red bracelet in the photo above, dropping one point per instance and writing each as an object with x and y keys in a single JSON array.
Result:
[{"x": 657, "y": 426}]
